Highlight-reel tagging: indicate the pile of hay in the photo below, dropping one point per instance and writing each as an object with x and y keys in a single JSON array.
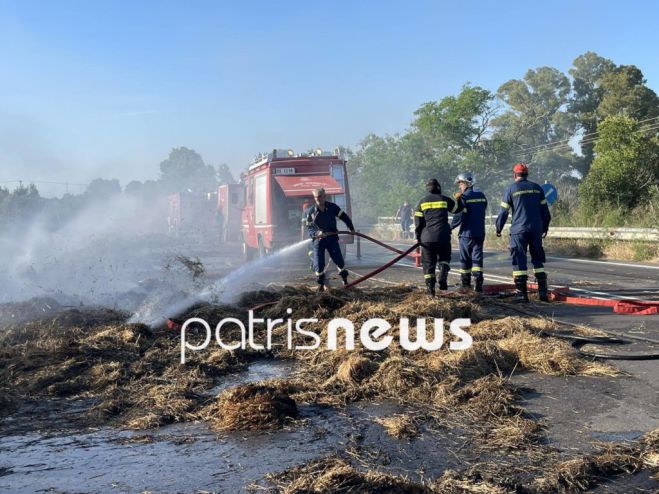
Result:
[
  {"x": 131, "y": 370},
  {"x": 251, "y": 407},
  {"x": 549, "y": 473},
  {"x": 582, "y": 473},
  {"x": 334, "y": 474},
  {"x": 135, "y": 374},
  {"x": 471, "y": 384}
]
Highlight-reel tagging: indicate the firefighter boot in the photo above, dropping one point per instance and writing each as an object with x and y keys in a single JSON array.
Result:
[
  {"x": 443, "y": 277},
  {"x": 465, "y": 279},
  {"x": 541, "y": 279},
  {"x": 521, "y": 293},
  {"x": 430, "y": 286},
  {"x": 478, "y": 281},
  {"x": 320, "y": 279},
  {"x": 344, "y": 276}
]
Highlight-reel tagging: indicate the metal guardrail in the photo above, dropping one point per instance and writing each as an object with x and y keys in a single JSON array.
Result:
[
  {"x": 643, "y": 234},
  {"x": 589, "y": 233}
]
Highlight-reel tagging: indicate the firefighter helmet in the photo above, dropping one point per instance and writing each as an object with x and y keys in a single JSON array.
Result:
[
  {"x": 520, "y": 168},
  {"x": 466, "y": 177}
]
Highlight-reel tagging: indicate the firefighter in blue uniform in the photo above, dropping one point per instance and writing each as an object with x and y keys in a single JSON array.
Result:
[
  {"x": 526, "y": 200},
  {"x": 432, "y": 230},
  {"x": 320, "y": 220},
  {"x": 472, "y": 231}
]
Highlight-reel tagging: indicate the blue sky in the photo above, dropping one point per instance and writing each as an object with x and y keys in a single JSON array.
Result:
[{"x": 107, "y": 88}]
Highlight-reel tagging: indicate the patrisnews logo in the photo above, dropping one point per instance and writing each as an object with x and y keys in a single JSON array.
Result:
[{"x": 374, "y": 334}]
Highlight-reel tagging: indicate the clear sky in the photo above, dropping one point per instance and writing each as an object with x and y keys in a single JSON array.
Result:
[{"x": 107, "y": 88}]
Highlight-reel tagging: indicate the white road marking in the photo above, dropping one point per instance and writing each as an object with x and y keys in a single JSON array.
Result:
[{"x": 611, "y": 263}]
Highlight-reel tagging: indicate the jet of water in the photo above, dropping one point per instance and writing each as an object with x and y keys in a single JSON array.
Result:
[{"x": 225, "y": 290}]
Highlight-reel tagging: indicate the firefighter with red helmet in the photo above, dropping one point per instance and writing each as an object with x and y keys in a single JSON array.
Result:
[
  {"x": 321, "y": 226},
  {"x": 432, "y": 230},
  {"x": 472, "y": 230},
  {"x": 530, "y": 223}
]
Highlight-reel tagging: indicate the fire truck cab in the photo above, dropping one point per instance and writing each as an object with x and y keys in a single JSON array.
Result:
[{"x": 279, "y": 187}]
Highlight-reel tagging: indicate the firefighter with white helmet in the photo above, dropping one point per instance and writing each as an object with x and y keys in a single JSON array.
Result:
[{"x": 472, "y": 230}]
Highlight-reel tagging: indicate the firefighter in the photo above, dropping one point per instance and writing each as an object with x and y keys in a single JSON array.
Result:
[
  {"x": 526, "y": 200},
  {"x": 321, "y": 226},
  {"x": 404, "y": 214},
  {"x": 433, "y": 231},
  {"x": 472, "y": 230}
]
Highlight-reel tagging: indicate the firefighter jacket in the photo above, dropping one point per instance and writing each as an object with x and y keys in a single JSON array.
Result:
[
  {"x": 431, "y": 217},
  {"x": 318, "y": 221},
  {"x": 472, "y": 218},
  {"x": 526, "y": 200}
]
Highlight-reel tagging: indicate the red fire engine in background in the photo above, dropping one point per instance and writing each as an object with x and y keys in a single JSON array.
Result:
[
  {"x": 278, "y": 188},
  {"x": 191, "y": 215},
  {"x": 264, "y": 211}
]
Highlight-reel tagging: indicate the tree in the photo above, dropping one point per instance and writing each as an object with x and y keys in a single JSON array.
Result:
[
  {"x": 536, "y": 107},
  {"x": 536, "y": 119},
  {"x": 19, "y": 207},
  {"x": 588, "y": 71},
  {"x": 101, "y": 189},
  {"x": 456, "y": 122},
  {"x": 625, "y": 171},
  {"x": 625, "y": 93},
  {"x": 224, "y": 175},
  {"x": 185, "y": 169}
]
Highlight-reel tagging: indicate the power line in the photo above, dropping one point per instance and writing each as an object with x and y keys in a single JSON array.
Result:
[
  {"x": 559, "y": 145},
  {"x": 550, "y": 144}
]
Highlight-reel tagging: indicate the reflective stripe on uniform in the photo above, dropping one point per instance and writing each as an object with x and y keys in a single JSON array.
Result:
[
  {"x": 538, "y": 270},
  {"x": 505, "y": 205},
  {"x": 464, "y": 210},
  {"x": 520, "y": 273},
  {"x": 544, "y": 201},
  {"x": 475, "y": 200},
  {"x": 444, "y": 262},
  {"x": 338, "y": 215},
  {"x": 464, "y": 271},
  {"x": 318, "y": 273},
  {"x": 455, "y": 207},
  {"x": 418, "y": 213},
  {"x": 428, "y": 276},
  {"x": 520, "y": 192},
  {"x": 477, "y": 268},
  {"x": 433, "y": 205}
]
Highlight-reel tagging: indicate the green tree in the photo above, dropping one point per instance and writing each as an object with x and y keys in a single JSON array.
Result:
[
  {"x": 536, "y": 107},
  {"x": 535, "y": 119},
  {"x": 625, "y": 93},
  {"x": 224, "y": 175},
  {"x": 458, "y": 123},
  {"x": 101, "y": 189},
  {"x": 588, "y": 71},
  {"x": 185, "y": 169},
  {"x": 625, "y": 171}
]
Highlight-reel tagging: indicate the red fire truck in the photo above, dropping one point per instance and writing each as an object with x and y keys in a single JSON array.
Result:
[{"x": 278, "y": 188}]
